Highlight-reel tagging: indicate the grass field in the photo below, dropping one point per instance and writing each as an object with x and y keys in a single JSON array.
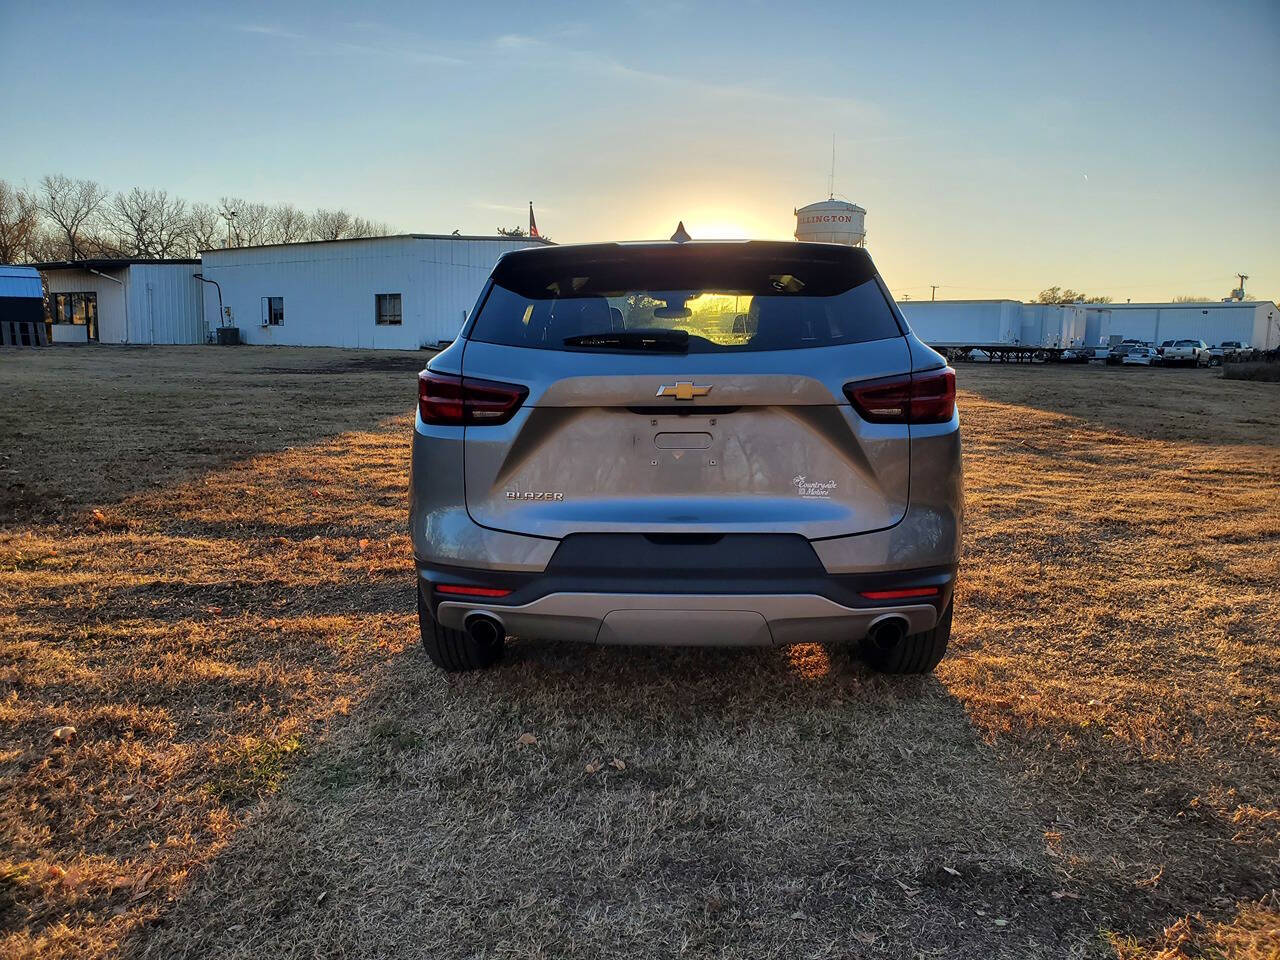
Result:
[{"x": 204, "y": 571}]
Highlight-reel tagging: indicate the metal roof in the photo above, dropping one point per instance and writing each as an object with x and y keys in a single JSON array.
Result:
[
  {"x": 1185, "y": 305},
  {"x": 394, "y": 236},
  {"x": 18, "y": 281},
  {"x": 104, "y": 263}
]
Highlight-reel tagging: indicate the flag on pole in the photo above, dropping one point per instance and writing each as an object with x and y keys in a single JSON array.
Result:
[{"x": 533, "y": 225}]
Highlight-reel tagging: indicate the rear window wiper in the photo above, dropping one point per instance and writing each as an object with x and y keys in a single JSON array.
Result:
[{"x": 662, "y": 340}]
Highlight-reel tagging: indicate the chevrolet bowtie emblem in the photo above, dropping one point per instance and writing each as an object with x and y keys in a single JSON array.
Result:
[{"x": 683, "y": 390}]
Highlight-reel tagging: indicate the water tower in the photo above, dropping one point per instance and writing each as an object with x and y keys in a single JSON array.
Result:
[{"x": 832, "y": 221}]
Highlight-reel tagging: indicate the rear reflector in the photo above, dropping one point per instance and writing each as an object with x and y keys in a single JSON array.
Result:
[
  {"x": 448, "y": 400},
  {"x": 900, "y": 594},
  {"x": 457, "y": 589},
  {"x": 917, "y": 398}
]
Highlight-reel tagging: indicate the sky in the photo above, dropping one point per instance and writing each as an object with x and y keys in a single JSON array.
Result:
[{"x": 1123, "y": 148}]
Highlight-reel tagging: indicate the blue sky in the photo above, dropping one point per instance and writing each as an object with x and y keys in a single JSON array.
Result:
[{"x": 1123, "y": 148}]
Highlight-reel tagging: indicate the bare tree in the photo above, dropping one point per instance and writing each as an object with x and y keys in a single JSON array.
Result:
[
  {"x": 1059, "y": 295},
  {"x": 1191, "y": 298},
  {"x": 360, "y": 227},
  {"x": 83, "y": 221},
  {"x": 19, "y": 223},
  {"x": 289, "y": 224},
  {"x": 148, "y": 223},
  {"x": 330, "y": 224},
  {"x": 251, "y": 223},
  {"x": 128, "y": 216},
  {"x": 72, "y": 205},
  {"x": 171, "y": 225},
  {"x": 204, "y": 228},
  {"x": 46, "y": 246}
]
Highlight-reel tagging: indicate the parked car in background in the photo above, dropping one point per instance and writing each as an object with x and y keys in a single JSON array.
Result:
[
  {"x": 1141, "y": 356},
  {"x": 1119, "y": 351},
  {"x": 1230, "y": 351},
  {"x": 709, "y": 444},
  {"x": 1185, "y": 353}
]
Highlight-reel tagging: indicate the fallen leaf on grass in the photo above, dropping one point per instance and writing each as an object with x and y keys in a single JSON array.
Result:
[
  {"x": 617, "y": 764},
  {"x": 64, "y": 732},
  {"x": 528, "y": 739},
  {"x": 593, "y": 767},
  {"x": 952, "y": 871}
]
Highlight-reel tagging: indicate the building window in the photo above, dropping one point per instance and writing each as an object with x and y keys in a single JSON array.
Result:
[
  {"x": 78, "y": 308},
  {"x": 388, "y": 308},
  {"x": 272, "y": 311}
]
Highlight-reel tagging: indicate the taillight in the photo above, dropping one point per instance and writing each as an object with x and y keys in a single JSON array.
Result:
[
  {"x": 448, "y": 400},
  {"x": 916, "y": 398},
  {"x": 933, "y": 396}
]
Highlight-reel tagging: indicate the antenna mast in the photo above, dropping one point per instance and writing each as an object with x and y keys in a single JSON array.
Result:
[{"x": 831, "y": 181}]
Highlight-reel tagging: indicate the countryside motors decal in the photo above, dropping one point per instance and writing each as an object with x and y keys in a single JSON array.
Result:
[{"x": 813, "y": 489}]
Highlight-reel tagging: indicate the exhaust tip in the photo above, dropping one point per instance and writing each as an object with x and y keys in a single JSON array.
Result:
[
  {"x": 484, "y": 630},
  {"x": 888, "y": 633}
]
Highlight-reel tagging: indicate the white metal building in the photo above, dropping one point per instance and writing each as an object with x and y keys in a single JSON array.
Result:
[
  {"x": 125, "y": 301},
  {"x": 1256, "y": 322},
  {"x": 399, "y": 292}
]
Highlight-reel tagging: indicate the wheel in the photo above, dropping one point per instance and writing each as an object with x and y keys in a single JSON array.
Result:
[
  {"x": 454, "y": 649},
  {"x": 917, "y": 653}
]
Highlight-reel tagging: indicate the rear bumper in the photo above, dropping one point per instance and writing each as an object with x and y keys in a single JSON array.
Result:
[
  {"x": 687, "y": 619},
  {"x": 736, "y": 591}
]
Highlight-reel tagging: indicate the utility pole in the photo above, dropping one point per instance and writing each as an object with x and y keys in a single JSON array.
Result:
[
  {"x": 229, "y": 216},
  {"x": 933, "y": 291}
]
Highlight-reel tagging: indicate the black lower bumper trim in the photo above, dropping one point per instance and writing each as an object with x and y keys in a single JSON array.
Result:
[{"x": 730, "y": 564}]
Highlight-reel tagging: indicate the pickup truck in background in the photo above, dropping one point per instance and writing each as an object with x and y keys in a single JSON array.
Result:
[
  {"x": 1190, "y": 353},
  {"x": 1230, "y": 351}
]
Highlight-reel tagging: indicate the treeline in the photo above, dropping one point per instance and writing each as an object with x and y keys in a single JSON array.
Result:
[{"x": 62, "y": 218}]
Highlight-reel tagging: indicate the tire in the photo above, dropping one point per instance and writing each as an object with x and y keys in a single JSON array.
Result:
[
  {"x": 918, "y": 653},
  {"x": 454, "y": 650}
]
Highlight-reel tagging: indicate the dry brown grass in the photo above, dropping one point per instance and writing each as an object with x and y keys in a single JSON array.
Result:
[
  {"x": 1263, "y": 372},
  {"x": 203, "y": 570}
]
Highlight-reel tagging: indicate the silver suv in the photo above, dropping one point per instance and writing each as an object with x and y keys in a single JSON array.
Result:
[{"x": 699, "y": 443}]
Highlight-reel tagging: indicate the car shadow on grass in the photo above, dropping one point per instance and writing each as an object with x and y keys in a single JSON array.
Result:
[{"x": 593, "y": 802}]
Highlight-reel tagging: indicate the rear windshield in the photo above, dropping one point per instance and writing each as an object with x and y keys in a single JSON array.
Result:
[{"x": 699, "y": 301}]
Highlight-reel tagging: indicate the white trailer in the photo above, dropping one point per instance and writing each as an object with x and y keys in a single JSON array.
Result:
[
  {"x": 961, "y": 323},
  {"x": 999, "y": 329}
]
